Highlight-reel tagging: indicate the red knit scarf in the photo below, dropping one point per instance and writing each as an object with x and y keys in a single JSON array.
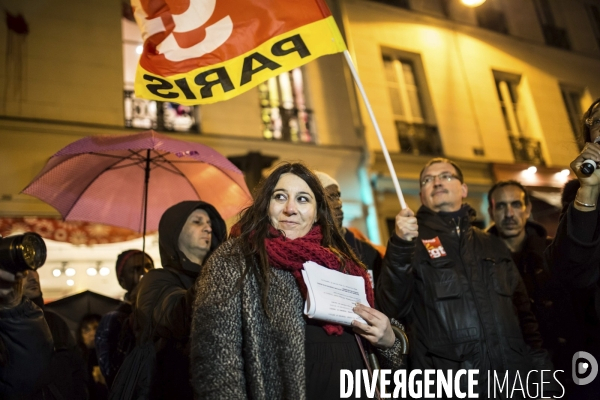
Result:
[{"x": 291, "y": 254}]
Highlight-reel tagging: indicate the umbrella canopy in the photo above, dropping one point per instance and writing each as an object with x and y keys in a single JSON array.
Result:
[
  {"x": 130, "y": 180},
  {"x": 73, "y": 308}
]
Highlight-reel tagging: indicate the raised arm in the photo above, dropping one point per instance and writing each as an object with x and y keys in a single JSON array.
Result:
[
  {"x": 573, "y": 255},
  {"x": 394, "y": 287}
]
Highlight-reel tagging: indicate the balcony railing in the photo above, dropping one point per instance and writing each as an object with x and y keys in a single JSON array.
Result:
[
  {"x": 556, "y": 37},
  {"x": 288, "y": 124},
  {"x": 527, "y": 149},
  {"x": 419, "y": 139},
  {"x": 159, "y": 115}
]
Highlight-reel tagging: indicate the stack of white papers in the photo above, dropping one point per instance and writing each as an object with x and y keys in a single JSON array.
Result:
[{"x": 332, "y": 294}]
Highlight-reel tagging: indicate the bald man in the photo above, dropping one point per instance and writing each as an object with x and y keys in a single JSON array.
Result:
[{"x": 364, "y": 251}]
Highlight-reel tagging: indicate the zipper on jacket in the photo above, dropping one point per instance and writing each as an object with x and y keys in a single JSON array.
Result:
[
  {"x": 456, "y": 226},
  {"x": 484, "y": 332}
]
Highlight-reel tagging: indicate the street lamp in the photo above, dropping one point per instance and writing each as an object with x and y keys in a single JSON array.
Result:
[{"x": 472, "y": 3}]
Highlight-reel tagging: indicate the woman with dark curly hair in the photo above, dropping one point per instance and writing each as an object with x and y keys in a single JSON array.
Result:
[{"x": 250, "y": 338}]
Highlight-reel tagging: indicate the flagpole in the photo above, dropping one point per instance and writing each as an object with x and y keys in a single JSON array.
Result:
[{"x": 384, "y": 149}]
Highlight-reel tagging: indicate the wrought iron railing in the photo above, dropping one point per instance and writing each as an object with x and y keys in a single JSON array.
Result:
[
  {"x": 158, "y": 115},
  {"x": 288, "y": 124},
  {"x": 419, "y": 139},
  {"x": 527, "y": 149}
]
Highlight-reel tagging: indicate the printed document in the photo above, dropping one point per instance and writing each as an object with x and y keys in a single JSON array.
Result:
[{"x": 332, "y": 294}]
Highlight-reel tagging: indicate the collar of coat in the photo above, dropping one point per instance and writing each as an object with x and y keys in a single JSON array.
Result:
[
  {"x": 435, "y": 221},
  {"x": 536, "y": 237}
]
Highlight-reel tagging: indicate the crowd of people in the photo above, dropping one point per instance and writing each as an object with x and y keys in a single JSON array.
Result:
[{"x": 224, "y": 316}]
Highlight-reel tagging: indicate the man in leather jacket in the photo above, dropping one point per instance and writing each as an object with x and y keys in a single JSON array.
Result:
[
  {"x": 510, "y": 209},
  {"x": 458, "y": 290}
]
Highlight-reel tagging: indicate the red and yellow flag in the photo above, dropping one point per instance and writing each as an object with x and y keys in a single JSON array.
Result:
[{"x": 204, "y": 51}]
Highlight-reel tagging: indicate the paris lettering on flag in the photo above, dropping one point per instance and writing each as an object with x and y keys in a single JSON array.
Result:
[{"x": 204, "y": 51}]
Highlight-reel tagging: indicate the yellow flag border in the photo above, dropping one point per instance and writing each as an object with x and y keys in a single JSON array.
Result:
[{"x": 321, "y": 37}]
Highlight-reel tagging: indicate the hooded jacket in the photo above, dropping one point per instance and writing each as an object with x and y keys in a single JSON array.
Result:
[
  {"x": 165, "y": 297},
  {"x": 463, "y": 298}
]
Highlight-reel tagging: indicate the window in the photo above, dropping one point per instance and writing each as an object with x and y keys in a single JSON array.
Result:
[
  {"x": 158, "y": 115},
  {"x": 490, "y": 16},
  {"x": 524, "y": 148},
  {"x": 406, "y": 92},
  {"x": 572, "y": 98},
  {"x": 507, "y": 86},
  {"x": 149, "y": 114},
  {"x": 594, "y": 13},
  {"x": 553, "y": 35},
  {"x": 284, "y": 108}
]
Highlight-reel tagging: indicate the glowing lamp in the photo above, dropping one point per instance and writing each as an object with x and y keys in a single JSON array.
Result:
[{"x": 472, "y": 3}]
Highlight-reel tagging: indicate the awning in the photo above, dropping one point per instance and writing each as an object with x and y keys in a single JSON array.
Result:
[{"x": 70, "y": 232}]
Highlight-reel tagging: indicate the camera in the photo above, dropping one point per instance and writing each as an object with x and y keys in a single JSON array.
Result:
[{"x": 22, "y": 252}]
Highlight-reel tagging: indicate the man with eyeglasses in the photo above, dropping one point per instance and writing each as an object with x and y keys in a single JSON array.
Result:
[{"x": 458, "y": 289}]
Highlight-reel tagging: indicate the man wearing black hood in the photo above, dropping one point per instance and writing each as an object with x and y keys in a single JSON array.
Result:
[{"x": 188, "y": 233}]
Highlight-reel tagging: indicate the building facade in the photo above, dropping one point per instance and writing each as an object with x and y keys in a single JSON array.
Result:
[
  {"x": 499, "y": 88},
  {"x": 66, "y": 72}
]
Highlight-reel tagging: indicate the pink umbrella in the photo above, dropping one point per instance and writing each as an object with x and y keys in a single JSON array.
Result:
[{"x": 130, "y": 180}]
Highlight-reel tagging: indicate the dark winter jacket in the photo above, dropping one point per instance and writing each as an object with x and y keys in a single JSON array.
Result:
[
  {"x": 463, "y": 298},
  {"x": 240, "y": 352},
  {"x": 66, "y": 376},
  {"x": 114, "y": 340},
  {"x": 550, "y": 300},
  {"x": 574, "y": 256},
  {"x": 365, "y": 252},
  {"x": 165, "y": 297},
  {"x": 26, "y": 343}
]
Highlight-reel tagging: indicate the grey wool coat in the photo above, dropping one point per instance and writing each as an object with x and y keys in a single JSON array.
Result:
[{"x": 237, "y": 351}]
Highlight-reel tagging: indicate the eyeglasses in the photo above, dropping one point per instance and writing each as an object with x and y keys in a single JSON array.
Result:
[
  {"x": 592, "y": 122},
  {"x": 444, "y": 176}
]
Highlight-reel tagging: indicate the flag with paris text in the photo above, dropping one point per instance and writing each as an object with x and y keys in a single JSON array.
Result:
[{"x": 204, "y": 51}]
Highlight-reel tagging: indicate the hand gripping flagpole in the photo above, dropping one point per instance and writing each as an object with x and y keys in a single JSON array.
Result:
[{"x": 384, "y": 149}]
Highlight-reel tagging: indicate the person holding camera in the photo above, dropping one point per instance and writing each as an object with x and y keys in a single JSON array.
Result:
[
  {"x": 574, "y": 255},
  {"x": 575, "y": 252},
  {"x": 66, "y": 374},
  {"x": 26, "y": 344}
]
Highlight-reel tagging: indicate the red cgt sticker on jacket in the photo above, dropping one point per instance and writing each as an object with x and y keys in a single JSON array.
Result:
[{"x": 434, "y": 247}]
